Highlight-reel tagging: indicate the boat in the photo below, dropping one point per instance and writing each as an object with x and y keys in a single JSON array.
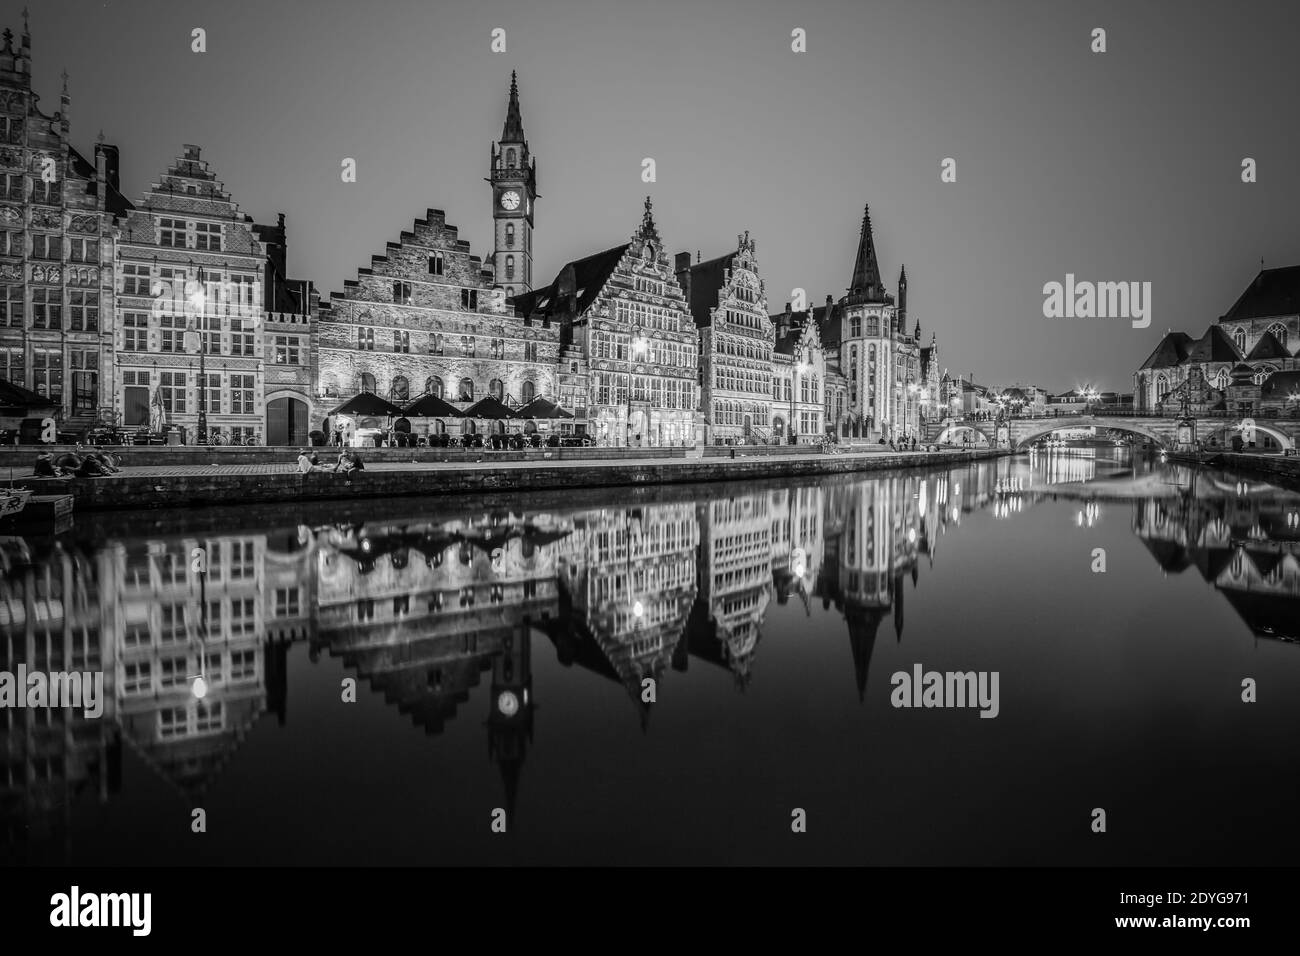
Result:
[{"x": 13, "y": 500}]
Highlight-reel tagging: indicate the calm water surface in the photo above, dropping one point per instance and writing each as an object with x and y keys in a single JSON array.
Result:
[{"x": 500, "y": 648}]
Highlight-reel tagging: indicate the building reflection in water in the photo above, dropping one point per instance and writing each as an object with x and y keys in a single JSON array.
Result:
[{"x": 424, "y": 610}]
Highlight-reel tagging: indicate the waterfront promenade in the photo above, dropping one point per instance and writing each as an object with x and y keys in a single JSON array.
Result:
[{"x": 191, "y": 483}]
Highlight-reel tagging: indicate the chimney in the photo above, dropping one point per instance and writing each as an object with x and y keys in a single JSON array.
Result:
[{"x": 107, "y": 164}]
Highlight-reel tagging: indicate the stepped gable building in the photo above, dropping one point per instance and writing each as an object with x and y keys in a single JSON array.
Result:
[
  {"x": 801, "y": 369},
  {"x": 729, "y": 304},
  {"x": 1229, "y": 368},
  {"x": 625, "y": 323},
  {"x": 58, "y": 213},
  {"x": 429, "y": 317},
  {"x": 193, "y": 268}
]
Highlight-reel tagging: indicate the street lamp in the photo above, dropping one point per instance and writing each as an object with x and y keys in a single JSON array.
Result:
[
  {"x": 197, "y": 299},
  {"x": 639, "y": 346},
  {"x": 799, "y": 368}
]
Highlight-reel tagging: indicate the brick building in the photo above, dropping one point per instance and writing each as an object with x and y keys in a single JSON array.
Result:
[
  {"x": 193, "y": 267},
  {"x": 57, "y": 217}
]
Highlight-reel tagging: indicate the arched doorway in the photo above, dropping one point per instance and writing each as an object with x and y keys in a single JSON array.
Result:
[
  {"x": 778, "y": 427},
  {"x": 286, "y": 422}
]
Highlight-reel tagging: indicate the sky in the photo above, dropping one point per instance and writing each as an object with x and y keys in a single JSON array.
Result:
[{"x": 1115, "y": 166}]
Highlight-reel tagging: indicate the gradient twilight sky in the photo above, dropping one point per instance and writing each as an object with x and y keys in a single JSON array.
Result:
[{"x": 1119, "y": 166}]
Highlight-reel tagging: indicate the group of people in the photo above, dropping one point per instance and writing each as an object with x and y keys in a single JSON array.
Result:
[
  {"x": 348, "y": 462},
  {"x": 78, "y": 464}
]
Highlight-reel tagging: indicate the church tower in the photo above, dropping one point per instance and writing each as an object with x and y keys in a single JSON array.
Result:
[{"x": 514, "y": 190}]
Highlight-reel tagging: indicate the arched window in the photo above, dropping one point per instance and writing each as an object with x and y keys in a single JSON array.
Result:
[
  {"x": 466, "y": 390},
  {"x": 527, "y": 392},
  {"x": 1162, "y": 388},
  {"x": 1239, "y": 340},
  {"x": 433, "y": 386},
  {"x": 438, "y": 427},
  {"x": 1279, "y": 332},
  {"x": 510, "y": 235},
  {"x": 367, "y": 382},
  {"x": 510, "y": 267},
  {"x": 510, "y": 292},
  {"x": 510, "y": 158},
  {"x": 1261, "y": 374},
  {"x": 401, "y": 389},
  {"x": 1220, "y": 379},
  {"x": 496, "y": 389}
]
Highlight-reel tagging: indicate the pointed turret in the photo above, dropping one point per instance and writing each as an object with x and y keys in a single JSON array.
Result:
[
  {"x": 902, "y": 297},
  {"x": 513, "y": 131},
  {"x": 866, "y": 270}
]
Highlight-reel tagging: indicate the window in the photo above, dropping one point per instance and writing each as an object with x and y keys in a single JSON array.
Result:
[
  {"x": 84, "y": 309},
  {"x": 171, "y": 388},
  {"x": 11, "y": 305},
  {"x": 135, "y": 279},
  {"x": 11, "y": 186},
  {"x": 48, "y": 194},
  {"x": 401, "y": 341},
  {"x": 873, "y": 326},
  {"x": 437, "y": 264},
  {"x": 46, "y": 247},
  {"x": 366, "y": 339},
  {"x": 1239, "y": 340},
  {"x": 47, "y": 308},
  {"x": 402, "y": 293},
  {"x": 498, "y": 348},
  {"x": 13, "y": 367},
  {"x": 496, "y": 389},
  {"x": 467, "y": 345},
  {"x": 530, "y": 351},
  {"x": 855, "y": 326},
  {"x": 171, "y": 232},
  {"x": 211, "y": 395},
  {"x": 241, "y": 394},
  {"x": 401, "y": 389},
  {"x": 83, "y": 250},
  {"x": 242, "y": 339},
  {"x": 207, "y": 235},
  {"x": 510, "y": 235},
  {"x": 137, "y": 678},
  {"x": 527, "y": 392},
  {"x": 1279, "y": 332},
  {"x": 510, "y": 267},
  {"x": 469, "y": 299},
  {"x": 288, "y": 350},
  {"x": 47, "y": 373},
  {"x": 433, "y": 386},
  {"x": 367, "y": 382},
  {"x": 243, "y": 664},
  {"x": 435, "y": 343},
  {"x": 466, "y": 390}
]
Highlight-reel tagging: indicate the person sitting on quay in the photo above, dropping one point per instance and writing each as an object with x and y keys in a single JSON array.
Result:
[
  {"x": 349, "y": 461},
  {"x": 305, "y": 463},
  {"x": 45, "y": 467},
  {"x": 106, "y": 461}
]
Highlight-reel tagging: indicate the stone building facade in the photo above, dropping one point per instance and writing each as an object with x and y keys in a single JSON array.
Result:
[
  {"x": 623, "y": 311},
  {"x": 57, "y": 236},
  {"x": 423, "y": 319},
  {"x": 729, "y": 304}
]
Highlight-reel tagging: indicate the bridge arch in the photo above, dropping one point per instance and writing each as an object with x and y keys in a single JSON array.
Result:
[
  {"x": 1226, "y": 429},
  {"x": 1029, "y": 431},
  {"x": 955, "y": 430}
]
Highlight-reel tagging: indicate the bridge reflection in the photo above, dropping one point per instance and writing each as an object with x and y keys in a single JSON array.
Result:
[{"x": 425, "y": 609}]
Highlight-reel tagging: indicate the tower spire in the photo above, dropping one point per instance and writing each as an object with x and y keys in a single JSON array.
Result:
[
  {"x": 513, "y": 131},
  {"x": 866, "y": 271}
]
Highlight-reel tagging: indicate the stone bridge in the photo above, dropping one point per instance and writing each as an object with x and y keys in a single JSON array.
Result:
[{"x": 1160, "y": 430}]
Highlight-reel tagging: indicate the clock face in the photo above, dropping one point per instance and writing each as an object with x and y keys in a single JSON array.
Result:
[
  {"x": 508, "y": 703},
  {"x": 510, "y": 200}
]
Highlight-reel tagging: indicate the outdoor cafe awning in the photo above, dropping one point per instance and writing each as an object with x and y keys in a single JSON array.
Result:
[
  {"x": 541, "y": 408},
  {"x": 368, "y": 403},
  {"x": 431, "y": 406},
  {"x": 490, "y": 407}
]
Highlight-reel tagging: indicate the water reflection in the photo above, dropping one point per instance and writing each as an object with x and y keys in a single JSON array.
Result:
[{"x": 424, "y": 609}]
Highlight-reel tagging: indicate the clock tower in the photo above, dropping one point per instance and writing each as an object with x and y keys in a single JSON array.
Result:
[{"x": 514, "y": 191}]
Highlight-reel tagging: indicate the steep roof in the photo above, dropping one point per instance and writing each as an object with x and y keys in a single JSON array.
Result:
[
  {"x": 1171, "y": 351},
  {"x": 589, "y": 274},
  {"x": 1280, "y": 385},
  {"x": 707, "y": 279},
  {"x": 865, "y": 284},
  {"x": 1213, "y": 346},
  {"x": 513, "y": 130},
  {"x": 1268, "y": 347},
  {"x": 1272, "y": 292}
]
